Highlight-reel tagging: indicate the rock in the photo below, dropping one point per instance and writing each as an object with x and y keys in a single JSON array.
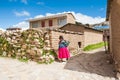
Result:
[
  {"x": 24, "y": 46},
  {"x": 36, "y": 40},
  {"x": 32, "y": 52},
  {"x": 28, "y": 51},
  {"x": 39, "y": 52},
  {"x": 34, "y": 48},
  {"x": 29, "y": 43},
  {"x": 47, "y": 42},
  {"x": 46, "y": 37},
  {"x": 47, "y": 48},
  {"x": 8, "y": 39},
  {"x": 18, "y": 54},
  {"x": 36, "y": 36},
  {"x": 23, "y": 53},
  {"x": 4, "y": 53},
  {"x": 27, "y": 40},
  {"x": 13, "y": 37}
]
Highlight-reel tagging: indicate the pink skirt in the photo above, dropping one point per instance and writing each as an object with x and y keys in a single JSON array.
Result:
[{"x": 63, "y": 53}]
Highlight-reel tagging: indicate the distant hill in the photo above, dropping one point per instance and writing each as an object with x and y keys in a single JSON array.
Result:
[{"x": 100, "y": 24}]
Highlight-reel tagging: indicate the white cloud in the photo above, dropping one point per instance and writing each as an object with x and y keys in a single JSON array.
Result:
[
  {"x": 23, "y": 25},
  {"x": 40, "y": 3},
  {"x": 39, "y": 16},
  {"x": 85, "y": 19},
  {"x": 22, "y": 13},
  {"x": 24, "y": 1},
  {"x": 2, "y": 29},
  {"x": 50, "y": 14}
]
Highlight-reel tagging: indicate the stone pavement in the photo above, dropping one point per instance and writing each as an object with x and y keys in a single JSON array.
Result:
[{"x": 12, "y": 69}]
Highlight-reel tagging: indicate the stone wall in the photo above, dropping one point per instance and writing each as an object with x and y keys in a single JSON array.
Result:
[
  {"x": 26, "y": 45},
  {"x": 29, "y": 43}
]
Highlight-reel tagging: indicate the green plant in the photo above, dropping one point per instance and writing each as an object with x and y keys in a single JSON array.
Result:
[
  {"x": 94, "y": 46},
  {"x": 23, "y": 59},
  {"x": 4, "y": 47},
  {"x": 52, "y": 52}
]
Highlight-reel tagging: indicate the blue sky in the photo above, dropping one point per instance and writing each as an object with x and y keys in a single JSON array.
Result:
[{"x": 13, "y": 12}]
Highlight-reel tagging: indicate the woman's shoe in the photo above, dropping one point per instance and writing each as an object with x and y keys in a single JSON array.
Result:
[
  {"x": 60, "y": 61},
  {"x": 67, "y": 59}
]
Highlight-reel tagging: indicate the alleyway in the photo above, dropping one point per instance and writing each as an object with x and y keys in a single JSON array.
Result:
[{"x": 89, "y": 66}]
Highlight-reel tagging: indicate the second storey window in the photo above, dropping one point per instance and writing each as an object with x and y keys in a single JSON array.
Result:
[
  {"x": 62, "y": 21},
  {"x": 43, "y": 23},
  {"x": 34, "y": 24},
  {"x": 50, "y": 23}
]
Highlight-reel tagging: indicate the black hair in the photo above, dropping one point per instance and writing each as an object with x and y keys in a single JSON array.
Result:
[{"x": 60, "y": 37}]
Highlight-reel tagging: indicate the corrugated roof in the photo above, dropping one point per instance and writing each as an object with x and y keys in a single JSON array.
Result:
[{"x": 101, "y": 27}]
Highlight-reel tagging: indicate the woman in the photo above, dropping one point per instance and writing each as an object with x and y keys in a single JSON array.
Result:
[{"x": 63, "y": 51}]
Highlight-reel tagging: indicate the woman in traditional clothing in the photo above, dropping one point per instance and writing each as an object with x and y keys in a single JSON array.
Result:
[{"x": 63, "y": 50}]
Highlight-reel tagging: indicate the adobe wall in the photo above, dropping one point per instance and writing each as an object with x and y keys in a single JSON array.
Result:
[
  {"x": 92, "y": 37},
  {"x": 73, "y": 38},
  {"x": 115, "y": 32},
  {"x": 70, "y": 19}
]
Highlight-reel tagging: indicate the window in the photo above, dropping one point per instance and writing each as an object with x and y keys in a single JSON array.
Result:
[
  {"x": 50, "y": 23},
  {"x": 79, "y": 44},
  {"x": 43, "y": 23},
  {"x": 34, "y": 24},
  {"x": 62, "y": 21}
]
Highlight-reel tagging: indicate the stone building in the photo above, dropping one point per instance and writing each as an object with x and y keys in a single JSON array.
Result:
[
  {"x": 113, "y": 16},
  {"x": 52, "y": 21},
  {"x": 75, "y": 38},
  {"x": 90, "y": 35},
  {"x": 78, "y": 34}
]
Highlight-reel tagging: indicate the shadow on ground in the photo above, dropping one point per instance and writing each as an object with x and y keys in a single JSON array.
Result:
[{"x": 97, "y": 63}]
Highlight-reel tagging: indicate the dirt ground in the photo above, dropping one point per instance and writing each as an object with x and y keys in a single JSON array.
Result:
[
  {"x": 91, "y": 65},
  {"x": 97, "y": 62}
]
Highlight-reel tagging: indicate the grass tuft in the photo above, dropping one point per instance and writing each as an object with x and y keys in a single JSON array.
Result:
[{"x": 94, "y": 46}]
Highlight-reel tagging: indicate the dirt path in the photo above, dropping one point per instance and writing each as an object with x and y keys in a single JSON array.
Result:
[
  {"x": 88, "y": 66},
  {"x": 96, "y": 61}
]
